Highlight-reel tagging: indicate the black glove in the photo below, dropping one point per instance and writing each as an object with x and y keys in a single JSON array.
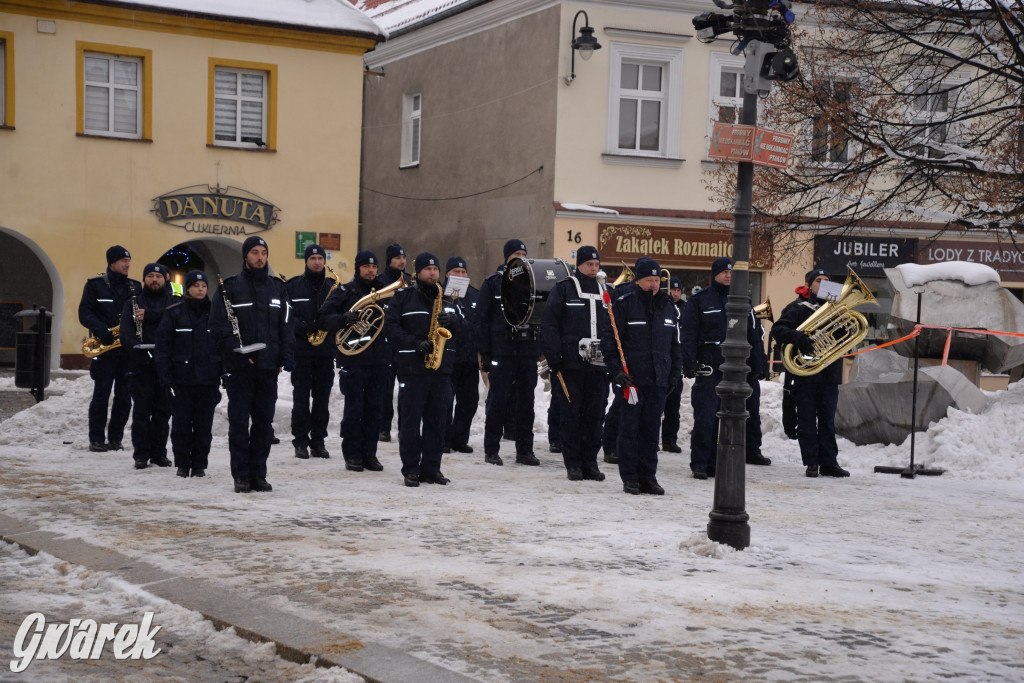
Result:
[
  {"x": 485, "y": 362},
  {"x": 289, "y": 365},
  {"x": 425, "y": 346},
  {"x": 554, "y": 368},
  {"x": 350, "y": 318},
  {"x": 241, "y": 361},
  {"x": 805, "y": 345},
  {"x": 444, "y": 319},
  {"x": 673, "y": 381},
  {"x": 105, "y": 337},
  {"x": 689, "y": 371},
  {"x": 311, "y": 328},
  {"x": 763, "y": 374},
  {"x": 623, "y": 380}
]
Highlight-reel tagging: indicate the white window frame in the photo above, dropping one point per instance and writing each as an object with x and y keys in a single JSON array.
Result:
[
  {"x": 239, "y": 99},
  {"x": 851, "y": 145},
  {"x": 111, "y": 89},
  {"x": 722, "y": 61},
  {"x": 956, "y": 84},
  {"x": 412, "y": 129},
  {"x": 670, "y": 59}
]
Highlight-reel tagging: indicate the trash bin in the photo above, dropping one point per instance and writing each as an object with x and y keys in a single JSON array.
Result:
[{"x": 32, "y": 353}]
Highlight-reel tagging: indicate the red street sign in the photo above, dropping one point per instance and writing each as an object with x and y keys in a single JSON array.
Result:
[
  {"x": 733, "y": 143},
  {"x": 771, "y": 148}
]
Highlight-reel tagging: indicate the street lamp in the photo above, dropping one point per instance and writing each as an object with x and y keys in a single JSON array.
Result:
[{"x": 585, "y": 43}]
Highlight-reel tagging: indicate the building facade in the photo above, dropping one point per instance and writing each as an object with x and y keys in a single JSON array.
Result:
[{"x": 174, "y": 129}]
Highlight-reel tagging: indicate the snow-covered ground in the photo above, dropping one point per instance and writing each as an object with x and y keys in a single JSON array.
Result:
[{"x": 516, "y": 573}]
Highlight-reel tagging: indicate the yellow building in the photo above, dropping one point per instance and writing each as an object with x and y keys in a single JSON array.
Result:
[{"x": 175, "y": 131}]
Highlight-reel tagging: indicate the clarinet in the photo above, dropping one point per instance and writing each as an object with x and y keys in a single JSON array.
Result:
[
  {"x": 230, "y": 310},
  {"x": 138, "y": 322}
]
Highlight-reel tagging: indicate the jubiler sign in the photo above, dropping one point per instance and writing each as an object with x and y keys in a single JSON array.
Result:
[
  {"x": 868, "y": 256},
  {"x": 215, "y": 210},
  {"x": 674, "y": 247}
]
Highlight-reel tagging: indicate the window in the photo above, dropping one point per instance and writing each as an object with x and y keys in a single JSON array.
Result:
[
  {"x": 114, "y": 91},
  {"x": 243, "y": 105},
  {"x": 6, "y": 79},
  {"x": 933, "y": 105},
  {"x": 412, "y": 116},
  {"x": 829, "y": 144},
  {"x": 725, "y": 104},
  {"x": 645, "y": 107}
]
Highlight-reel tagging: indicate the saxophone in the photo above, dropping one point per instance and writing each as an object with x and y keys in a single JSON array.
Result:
[
  {"x": 317, "y": 338},
  {"x": 93, "y": 347},
  {"x": 437, "y": 334}
]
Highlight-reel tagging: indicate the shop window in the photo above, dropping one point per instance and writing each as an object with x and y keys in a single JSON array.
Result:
[
  {"x": 243, "y": 105},
  {"x": 6, "y": 79},
  {"x": 645, "y": 101},
  {"x": 114, "y": 91},
  {"x": 412, "y": 121}
]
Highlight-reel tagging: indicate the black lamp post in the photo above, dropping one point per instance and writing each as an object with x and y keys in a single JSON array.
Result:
[{"x": 585, "y": 43}]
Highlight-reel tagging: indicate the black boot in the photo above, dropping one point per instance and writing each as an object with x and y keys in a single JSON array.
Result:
[
  {"x": 242, "y": 486},
  {"x": 318, "y": 450},
  {"x": 758, "y": 459},
  {"x": 631, "y": 487},
  {"x": 591, "y": 472},
  {"x": 527, "y": 459},
  {"x": 302, "y": 452},
  {"x": 574, "y": 474},
  {"x": 260, "y": 484},
  {"x": 812, "y": 471},
  {"x": 611, "y": 458},
  {"x": 671, "y": 447},
  {"x": 97, "y": 447},
  {"x": 652, "y": 487},
  {"x": 372, "y": 464},
  {"x": 833, "y": 471},
  {"x": 493, "y": 459},
  {"x": 182, "y": 472}
]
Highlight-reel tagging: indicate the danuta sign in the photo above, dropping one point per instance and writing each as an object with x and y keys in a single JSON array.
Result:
[
  {"x": 216, "y": 210},
  {"x": 81, "y": 639}
]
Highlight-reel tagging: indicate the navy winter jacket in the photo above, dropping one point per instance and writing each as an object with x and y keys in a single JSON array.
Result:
[
  {"x": 784, "y": 332},
  {"x": 103, "y": 299},
  {"x": 495, "y": 337},
  {"x": 261, "y": 305},
  {"x": 704, "y": 327},
  {"x": 408, "y": 322},
  {"x": 331, "y": 317},
  {"x": 567, "y": 320},
  {"x": 647, "y": 330},
  {"x": 308, "y": 292},
  {"x": 186, "y": 352}
]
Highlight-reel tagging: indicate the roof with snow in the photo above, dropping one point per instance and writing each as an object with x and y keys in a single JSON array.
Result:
[
  {"x": 395, "y": 15},
  {"x": 330, "y": 15}
]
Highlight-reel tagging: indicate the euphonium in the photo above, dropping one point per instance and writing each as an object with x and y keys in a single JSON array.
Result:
[
  {"x": 317, "y": 338},
  {"x": 625, "y": 276},
  {"x": 357, "y": 337},
  {"x": 93, "y": 347},
  {"x": 835, "y": 328},
  {"x": 437, "y": 334}
]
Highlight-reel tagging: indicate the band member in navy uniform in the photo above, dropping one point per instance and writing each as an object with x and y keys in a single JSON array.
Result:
[
  {"x": 362, "y": 377},
  {"x": 394, "y": 269},
  {"x": 510, "y": 356},
  {"x": 187, "y": 361},
  {"x": 151, "y": 402},
  {"x": 569, "y": 337},
  {"x": 424, "y": 393},
  {"x": 670, "y": 422},
  {"x": 646, "y": 329},
  {"x": 465, "y": 377},
  {"x": 262, "y": 311},
  {"x": 313, "y": 376},
  {"x": 704, "y": 329},
  {"x": 99, "y": 311},
  {"x": 816, "y": 395}
]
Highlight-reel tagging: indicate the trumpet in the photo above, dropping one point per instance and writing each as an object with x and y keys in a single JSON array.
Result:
[{"x": 357, "y": 337}]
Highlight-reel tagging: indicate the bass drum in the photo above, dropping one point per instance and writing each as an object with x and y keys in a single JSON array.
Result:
[{"x": 525, "y": 286}]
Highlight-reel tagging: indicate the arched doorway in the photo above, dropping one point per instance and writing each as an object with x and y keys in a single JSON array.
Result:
[
  {"x": 27, "y": 277},
  {"x": 215, "y": 256}
]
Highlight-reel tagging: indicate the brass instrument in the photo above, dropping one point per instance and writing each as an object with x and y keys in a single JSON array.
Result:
[
  {"x": 317, "y": 338},
  {"x": 437, "y": 334},
  {"x": 764, "y": 311},
  {"x": 834, "y": 328},
  {"x": 625, "y": 276},
  {"x": 93, "y": 347},
  {"x": 357, "y": 337},
  {"x": 666, "y": 279}
]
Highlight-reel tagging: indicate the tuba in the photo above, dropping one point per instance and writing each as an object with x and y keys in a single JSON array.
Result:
[
  {"x": 93, "y": 347},
  {"x": 317, "y": 338},
  {"x": 835, "y": 328},
  {"x": 357, "y": 337},
  {"x": 437, "y": 334}
]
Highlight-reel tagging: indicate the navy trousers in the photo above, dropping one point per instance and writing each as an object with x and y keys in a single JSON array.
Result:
[
  {"x": 670, "y": 423},
  {"x": 581, "y": 415},
  {"x": 388, "y": 407},
  {"x": 510, "y": 374},
  {"x": 423, "y": 403},
  {"x": 706, "y": 404},
  {"x": 312, "y": 380},
  {"x": 109, "y": 371},
  {"x": 252, "y": 394},
  {"x": 816, "y": 422},
  {"x": 466, "y": 399},
  {"x": 555, "y": 413},
  {"x": 151, "y": 414},
  {"x": 639, "y": 425},
  {"x": 365, "y": 390},
  {"x": 192, "y": 408}
]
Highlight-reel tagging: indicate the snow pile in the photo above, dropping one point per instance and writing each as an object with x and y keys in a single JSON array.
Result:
[{"x": 968, "y": 273}]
